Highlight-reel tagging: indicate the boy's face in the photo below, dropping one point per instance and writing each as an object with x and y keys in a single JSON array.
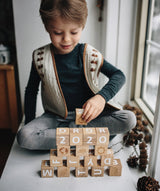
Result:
[{"x": 64, "y": 35}]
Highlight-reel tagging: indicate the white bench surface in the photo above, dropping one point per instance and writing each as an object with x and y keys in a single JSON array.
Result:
[{"x": 22, "y": 173}]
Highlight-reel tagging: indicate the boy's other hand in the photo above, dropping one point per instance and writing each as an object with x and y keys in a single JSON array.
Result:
[{"x": 93, "y": 107}]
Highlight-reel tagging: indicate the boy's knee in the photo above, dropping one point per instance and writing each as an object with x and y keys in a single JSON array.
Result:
[
  {"x": 131, "y": 120},
  {"x": 23, "y": 137}
]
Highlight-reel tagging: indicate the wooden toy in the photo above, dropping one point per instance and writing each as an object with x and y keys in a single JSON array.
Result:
[
  {"x": 62, "y": 136},
  {"x": 63, "y": 150},
  {"x": 63, "y": 171},
  {"x": 82, "y": 150},
  {"x": 80, "y": 157},
  {"x": 54, "y": 159},
  {"x": 100, "y": 150},
  {"x": 116, "y": 168},
  {"x": 97, "y": 171},
  {"x": 72, "y": 161},
  {"x": 107, "y": 160},
  {"x": 46, "y": 170},
  {"x": 81, "y": 171},
  {"x": 102, "y": 136},
  {"x": 75, "y": 136},
  {"x": 79, "y": 120},
  {"x": 89, "y": 136},
  {"x": 90, "y": 161}
]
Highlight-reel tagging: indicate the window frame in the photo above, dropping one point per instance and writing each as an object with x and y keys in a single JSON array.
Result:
[{"x": 139, "y": 56}]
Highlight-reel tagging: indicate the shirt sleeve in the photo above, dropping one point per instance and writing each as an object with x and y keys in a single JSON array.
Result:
[
  {"x": 116, "y": 81},
  {"x": 31, "y": 92}
]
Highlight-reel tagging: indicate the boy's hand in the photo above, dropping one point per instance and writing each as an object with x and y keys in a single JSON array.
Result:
[{"x": 93, "y": 107}]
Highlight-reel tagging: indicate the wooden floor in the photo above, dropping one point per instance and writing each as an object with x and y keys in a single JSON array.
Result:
[{"x": 6, "y": 141}]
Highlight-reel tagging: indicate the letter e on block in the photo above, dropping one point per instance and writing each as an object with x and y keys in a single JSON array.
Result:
[
  {"x": 62, "y": 136},
  {"x": 116, "y": 168},
  {"x": 46, "y": 170},
  {"x": 102, "y": 136}
]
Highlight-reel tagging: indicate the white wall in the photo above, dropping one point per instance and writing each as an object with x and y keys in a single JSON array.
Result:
[
  {"x": 118, "y": 35},
  {"x": 114, "y": 37}
]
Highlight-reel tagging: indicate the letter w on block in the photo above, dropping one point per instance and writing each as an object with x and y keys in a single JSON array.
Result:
[{"x": 46, "y": 170}]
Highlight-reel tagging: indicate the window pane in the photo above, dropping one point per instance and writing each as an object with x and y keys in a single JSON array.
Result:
[
  {"x": 156, "y": 22},
  {"x": 151, "y": 77}
]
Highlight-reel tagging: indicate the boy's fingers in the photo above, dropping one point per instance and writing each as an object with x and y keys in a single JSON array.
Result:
[{"x": 86, "y": 109}]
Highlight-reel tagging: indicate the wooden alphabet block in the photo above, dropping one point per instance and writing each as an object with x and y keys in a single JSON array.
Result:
[
  {"x": 102, "y": 136},
  {"x": 81, "y": 171},
  {"x": 82, "y": 150},
  {"x": 62, "y": 136},
  {"x": 46, "y": 170},
  {"x": 63, "y": 151},
  {"x": 54, "y": 159},
  {"x": 107, "y": 160},
  {"x": 97, "y": 171},
  {"x": 63, "y": 171},
  {"x": 89, "y": 136},
  {"x": 90, "y": 161},
  {"x": 79, "y": 120},
  {"x": 116, "y": 168},
  {"x": 72, "y": 161},
  {"x": 75, "y": 136},
  {"x": 100, "y": 150}
]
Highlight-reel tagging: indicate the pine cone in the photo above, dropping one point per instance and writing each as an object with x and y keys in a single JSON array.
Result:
[
  {"x": 147, "y": 184},
  {"x": 147, "y": 138},
  {"x": 142, "y": 145},
  {"x": 132, "y": 161}
]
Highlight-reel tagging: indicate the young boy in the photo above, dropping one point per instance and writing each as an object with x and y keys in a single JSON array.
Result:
[{"x": 69, "y": 74}]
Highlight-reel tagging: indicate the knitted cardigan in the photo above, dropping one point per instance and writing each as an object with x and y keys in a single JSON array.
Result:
[{"x": 52, "y": 96}]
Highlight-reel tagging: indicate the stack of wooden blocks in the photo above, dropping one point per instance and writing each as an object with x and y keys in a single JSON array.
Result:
[{"x": 74, "y": 152}]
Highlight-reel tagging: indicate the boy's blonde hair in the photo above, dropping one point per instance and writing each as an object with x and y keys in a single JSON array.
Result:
[{"x": 71, "y": 10}]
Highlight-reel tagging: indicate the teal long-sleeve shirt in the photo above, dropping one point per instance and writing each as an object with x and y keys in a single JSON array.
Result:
[{"x": 73, "y": 83}]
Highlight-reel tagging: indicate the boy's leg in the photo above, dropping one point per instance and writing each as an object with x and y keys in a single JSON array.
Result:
[
  {"x": 39, "y": 134},
  {"x": 117, "y": 121}
]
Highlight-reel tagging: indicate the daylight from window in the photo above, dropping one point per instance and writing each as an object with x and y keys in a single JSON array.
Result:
[{"x": 152, "y": 59}]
